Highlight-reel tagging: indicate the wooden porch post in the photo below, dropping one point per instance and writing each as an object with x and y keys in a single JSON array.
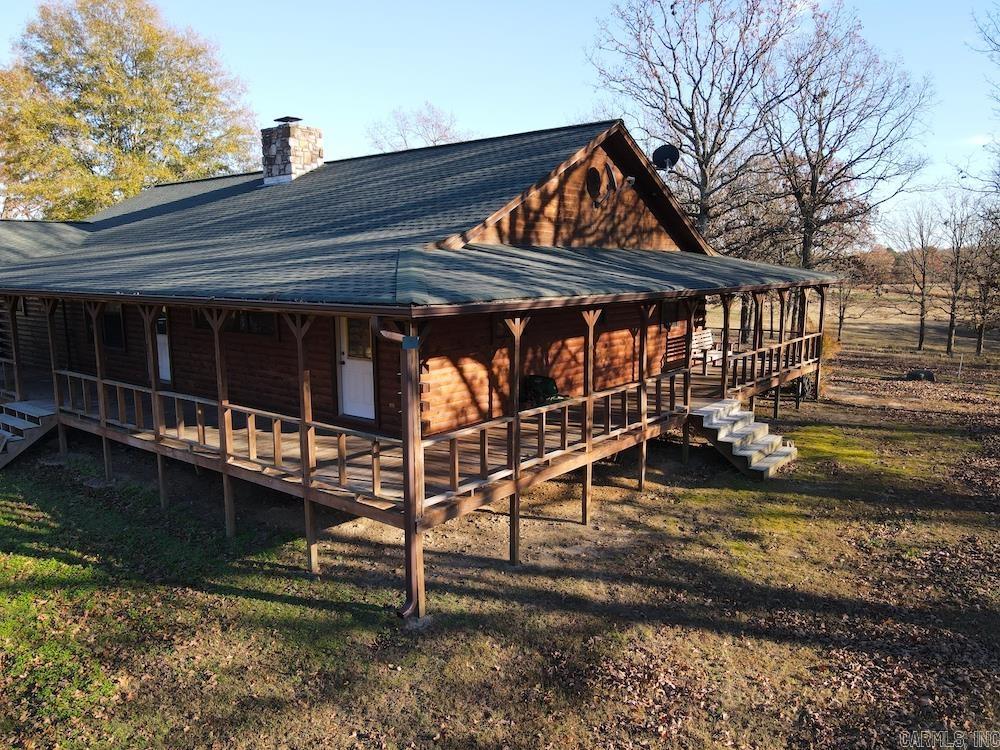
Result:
[
  {"x": 645, "y": 317},
  {"x": 590, "y": 318},
  {"x": 217, "y": 320},
  {"x": 299, "y": 325},
  {"x": 10, "y": 305},
  {"x": 516, "y": 327},
  {"x": 782, "y": 296},
  {"x": 413, "y": 472},
  {"x": 821, "y": 290},
  {"x": 689, "y": 306},
  {"x": 50, "y": 326},
  {"x": 755, "y": 319},
  {"x": 688, "y": 354},
  {"x": 757, "y": 342},
  {"x": 149, "y": 315},
  {"x": 727, "y": 303},
  {"x": 95, "y": 310}
]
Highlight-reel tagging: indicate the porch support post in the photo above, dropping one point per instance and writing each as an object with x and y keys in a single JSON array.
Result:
[
  {"x": 299, "y": 325},
  {"x": 10, "y": 305},
  {"x": 727, "y": 303},
  {"x": 149, "y": 315},
  {"x": 516, "y": 327},
  {"x": 689, "y": 306},
  {"x": 50, "y": 326},
  {"x": 821, "y": 290},
  {"x": 645, "y": 318},
  {"x": 590, "y": 318},
  {"x": 413, "y": 472},
  {"x": 217, "y": 320},
  {"x": 755, "y": 320},
  {"x": 782, "y": 299},
  {"x": 96, "y": 310}
]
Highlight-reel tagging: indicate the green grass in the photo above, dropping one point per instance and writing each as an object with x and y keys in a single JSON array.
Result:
[{"x": 707, "y": 609}]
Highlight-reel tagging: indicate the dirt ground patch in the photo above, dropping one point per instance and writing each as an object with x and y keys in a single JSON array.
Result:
[{"x": 851, "y": 599}]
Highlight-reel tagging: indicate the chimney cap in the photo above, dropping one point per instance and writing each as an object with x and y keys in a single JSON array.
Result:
[{"x": 288, "y": 118}]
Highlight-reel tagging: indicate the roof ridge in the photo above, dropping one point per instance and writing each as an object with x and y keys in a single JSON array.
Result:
[
  {"x": 206, "y": 179},
  {"x": 45, "y": 221},
  {"x": 476, "y": 140},
  {"x": 404, "y": 150}
]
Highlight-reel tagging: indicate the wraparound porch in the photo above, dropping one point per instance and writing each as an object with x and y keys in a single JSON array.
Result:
[{"x": 418, "y": 481}]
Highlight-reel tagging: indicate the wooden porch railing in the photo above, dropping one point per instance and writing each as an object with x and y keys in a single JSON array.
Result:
[
  {"x": 747, "y": 368},
  {"x": 181, "y": 411},
  {"x": 475, "y": 459}
]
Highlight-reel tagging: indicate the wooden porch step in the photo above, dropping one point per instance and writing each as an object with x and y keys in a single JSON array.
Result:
[
  {"x": 36, "y": 409},
  {"x": 17, "y": 435},
  {"x": 746, "y": 443},
  {"x": 10, "y": 423},
  {"x": 8, "y": 437},
  {"x": 768, "y": 466}
]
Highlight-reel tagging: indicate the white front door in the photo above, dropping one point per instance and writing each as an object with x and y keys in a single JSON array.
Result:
[
  {"x": 163, "y": 348},
  {"x": 357, "y": 368}
]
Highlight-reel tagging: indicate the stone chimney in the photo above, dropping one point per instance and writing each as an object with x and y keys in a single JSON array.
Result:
[{"x": 289, "y": 150}]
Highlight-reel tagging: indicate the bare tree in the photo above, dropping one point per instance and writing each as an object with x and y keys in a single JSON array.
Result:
[
  {"x": 842, "y": 140},
  {"x": 959, "y": 220},
  {"x": 916, "y": 232},
  {"x": 981, "y": 303},
  {"x": 863, "y": 277},
  {"x": 424, "y": 126},
  {"x": 692, "y": 73},
  {"x": 989, "y": 33}
]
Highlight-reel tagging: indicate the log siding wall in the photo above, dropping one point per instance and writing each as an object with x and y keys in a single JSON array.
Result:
[
  {"x": 466, "y": 367},
  {"x": 563, "y": 214}
]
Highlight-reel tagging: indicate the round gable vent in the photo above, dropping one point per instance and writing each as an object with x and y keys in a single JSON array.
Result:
[{"x": 601, "y": 187}]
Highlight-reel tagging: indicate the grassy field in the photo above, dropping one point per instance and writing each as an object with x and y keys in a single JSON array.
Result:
[{"x": 852, "y": 598}]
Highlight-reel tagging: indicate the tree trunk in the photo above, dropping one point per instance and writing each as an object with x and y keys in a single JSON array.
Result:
[
  {"x": 923, "y": 322},
  {"x": 840, "y": 325},
  {"x": 980, "y": 339},
  {"x": 951, "y": 331},
  {"x": 808, "y": 230}
]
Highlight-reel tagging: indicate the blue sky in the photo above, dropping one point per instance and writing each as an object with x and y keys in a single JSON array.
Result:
[{"x": 514, "y": 66}]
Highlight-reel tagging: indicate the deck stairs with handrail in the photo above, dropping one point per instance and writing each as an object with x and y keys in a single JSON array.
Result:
[{"x": 747, "y": 444}]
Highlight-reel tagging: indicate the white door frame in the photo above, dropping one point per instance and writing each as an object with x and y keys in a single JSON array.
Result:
[
  {"x": 163, "y": 347},
  {"x": 355, "y": 399}
]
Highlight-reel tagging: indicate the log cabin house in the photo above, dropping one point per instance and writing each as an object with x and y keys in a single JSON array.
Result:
[{"x": 344, "y": 331}]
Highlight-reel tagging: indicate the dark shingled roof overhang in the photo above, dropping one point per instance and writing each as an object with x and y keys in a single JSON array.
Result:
[{"x": 354, "y": 233}]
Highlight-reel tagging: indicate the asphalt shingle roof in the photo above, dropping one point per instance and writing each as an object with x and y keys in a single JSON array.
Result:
[
  {"x": 355, "y": 231},
  {"x": 22, "y": 241}
]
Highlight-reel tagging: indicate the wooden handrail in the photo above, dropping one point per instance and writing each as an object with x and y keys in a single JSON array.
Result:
[
  {"x": 263, "y": 413},
  {"x": 617, "y": 389},
  {"x": 554, "y": 406},
  {"x": 470, "y": 430},
  {"x": 772, "y": 347},
  {"x": 77, "y": 375},
  {"x": 350, "y": 432},
  {"x": 188, "y": 397},
  {"x": 129, "y": 386}
]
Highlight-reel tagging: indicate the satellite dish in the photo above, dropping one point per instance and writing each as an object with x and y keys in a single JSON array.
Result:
[{"x": 666, "y": 156}]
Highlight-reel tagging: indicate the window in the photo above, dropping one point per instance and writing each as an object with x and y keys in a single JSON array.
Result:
[
  {"x": 113, "y": 322},
  {"x": 241, "y": 321},
  {"x": 359, "y": 338},
  {"x": 669, "y": 315}
]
